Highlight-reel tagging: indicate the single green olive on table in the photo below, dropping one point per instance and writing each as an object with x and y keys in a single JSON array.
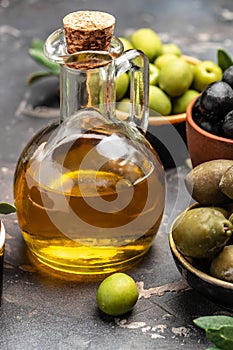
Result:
[
  {"x": 117, "y": 294},
  {"x": 177, "y": 79}
]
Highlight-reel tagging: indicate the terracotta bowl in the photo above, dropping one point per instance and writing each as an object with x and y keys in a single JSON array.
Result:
[
  {"x": 204, "y": 146},
  {"x": 2, "y": 247},
  {"x": 195, "y": 274}
]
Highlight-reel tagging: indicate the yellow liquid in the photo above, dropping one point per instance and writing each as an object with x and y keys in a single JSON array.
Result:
[{"x": 86, "y": 220}]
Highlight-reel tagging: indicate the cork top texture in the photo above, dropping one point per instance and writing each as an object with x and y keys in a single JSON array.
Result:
[{"x": 88, "y": 30}]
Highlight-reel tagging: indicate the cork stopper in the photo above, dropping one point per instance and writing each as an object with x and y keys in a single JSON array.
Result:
[{"x": 88, "y": 30}]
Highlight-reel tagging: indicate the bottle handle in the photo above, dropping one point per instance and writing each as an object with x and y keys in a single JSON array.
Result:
[{"x": 137, "y": 63}]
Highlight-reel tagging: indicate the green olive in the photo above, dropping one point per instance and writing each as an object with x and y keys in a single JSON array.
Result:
[
  {"x": 226, "y": 183},
  {"x": 201, "y": 232},
  {"x": 222, "y": 210},
  {"x": 222, "y": 265},
  {"x": 231, "y": 218},
  {"x": 202, "y": 182},
  {"x": 117, "y": 294}
]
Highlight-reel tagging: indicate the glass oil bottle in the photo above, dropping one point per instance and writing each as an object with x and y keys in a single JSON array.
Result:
[{"x": 89, "y": 189}]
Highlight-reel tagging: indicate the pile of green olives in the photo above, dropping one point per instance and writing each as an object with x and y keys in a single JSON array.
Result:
[{"x": 204, "y": 232}]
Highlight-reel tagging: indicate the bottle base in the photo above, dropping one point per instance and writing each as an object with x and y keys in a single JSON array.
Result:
[{"x": 86, "y": 273}]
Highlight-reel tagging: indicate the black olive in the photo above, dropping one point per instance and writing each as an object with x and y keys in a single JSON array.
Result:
[
  {"x": 210, "y": 125},
  {"x": 227, "y": 125},
  {"x": 198, "y": 112},
  {"x": 217, "y": 99},
  {"x": 196, "y": 108},
  {"x": 205, "y": 120},
  {"x": 228, "y": 76}
]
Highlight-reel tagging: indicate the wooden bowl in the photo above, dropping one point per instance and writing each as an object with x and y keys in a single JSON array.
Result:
[
  {"x": 218, "y": 291},
  {"x": 204, "y": 146}
]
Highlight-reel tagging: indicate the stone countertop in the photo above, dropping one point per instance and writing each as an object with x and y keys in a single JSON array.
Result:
[{"x": 41, "y": 310}]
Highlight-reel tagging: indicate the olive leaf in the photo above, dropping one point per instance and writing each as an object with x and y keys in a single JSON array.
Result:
[
  {"x": 222, "y": 337},
  {"x": 213, "y": 322},
  {"x": 224, "y": 59},
  {"x": 37, "y": 75},
  {"x": 37, "y": 44},
  {"x": 6, "y": 208},
  {"x": 39, "y": 56},
  {"x": 219, "y": 330}
]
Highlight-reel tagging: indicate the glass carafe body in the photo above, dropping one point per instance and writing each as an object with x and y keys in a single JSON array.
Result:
[{"x": 89, "y": 189}]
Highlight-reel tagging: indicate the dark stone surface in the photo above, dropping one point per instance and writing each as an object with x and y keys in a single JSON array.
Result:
[{"x": 43, "y": 311}]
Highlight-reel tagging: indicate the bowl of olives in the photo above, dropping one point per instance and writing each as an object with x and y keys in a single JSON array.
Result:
[
  {"x": 196, "y": 273},
  {"x": 209, "y": 121},
  {"x": 201, "y": 237}
]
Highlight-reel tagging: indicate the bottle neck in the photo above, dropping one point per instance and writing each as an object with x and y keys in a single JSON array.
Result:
[{"x": 87, "y": 88}]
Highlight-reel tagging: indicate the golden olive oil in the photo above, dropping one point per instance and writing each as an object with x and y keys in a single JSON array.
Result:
[{"x": 84, "y": 213}]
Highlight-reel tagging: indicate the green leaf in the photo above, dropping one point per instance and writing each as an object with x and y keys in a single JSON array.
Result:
[
  {"x": 39, "y": 56},
  {"x": 6, "y": 208},
  {"x": 215, "y": 348},
  {"x": 213, "y": 322},
  {"x": 223, "y": 337},
  {"x": 38, "y": 75},
  {"x": 37, "y": 44},
  {"x": 224, "y": 59}
]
